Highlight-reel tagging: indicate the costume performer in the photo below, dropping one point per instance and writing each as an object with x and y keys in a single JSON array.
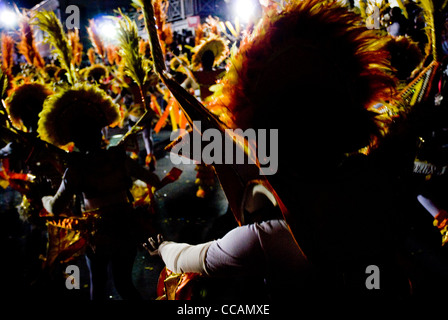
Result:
[
  {"x": 208, "y": 54},
  {"x": 312, "y": 71},
  {"x": 25, "y": 154},
  {"x": 102, "y": 176},
  {"x": 31, "y": 167}
]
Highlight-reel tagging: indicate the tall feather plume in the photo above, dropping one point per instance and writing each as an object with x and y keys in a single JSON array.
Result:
[
  {"x": 112, "y": 55},
  {"x": 134, "y": 64},
  {"x": 3, "y": 84},
  {"x": 199, "y": 34},
  {"x": 91, "y": 56},
  {"x": 428, "y": 13},
  {"x": 7, "y": 53},
  {"x": 76, "y": 45},
  {"x": 96, "y": 39},
  {"x": 144, "y": 48},
  {"x": 27, "y": 45},
  {"x": 4, "y": 118},
  {"x": 48, "y": 22}
]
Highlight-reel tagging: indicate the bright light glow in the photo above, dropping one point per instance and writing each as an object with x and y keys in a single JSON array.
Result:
[
  {"x": 107, "y": 28},
  {"x": 244, "y": 10},
  {"x": 8, "y": 18}
]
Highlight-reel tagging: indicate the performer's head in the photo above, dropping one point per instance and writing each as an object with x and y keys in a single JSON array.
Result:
[
  {"x": 77, "y": 115},
  {"x": 207, "y": 60}
]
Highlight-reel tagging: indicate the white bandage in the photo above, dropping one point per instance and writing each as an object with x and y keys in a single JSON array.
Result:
[
  {"x": 47, "y": 202},
  {"x": 182, "y": 257}
]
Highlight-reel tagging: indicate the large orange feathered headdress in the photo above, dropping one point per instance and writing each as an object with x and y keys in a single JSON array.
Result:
[{"x": 312, "y": 65}]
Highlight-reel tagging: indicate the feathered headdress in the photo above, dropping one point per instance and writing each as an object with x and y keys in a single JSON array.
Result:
[
  {"x": 313, "y": 71},
  {"x": 406, "y": 56},
  {"x": 26, "y": 102},
  {"x": 317, "y": 62},
  {"x": 215, "y": 44},
  {"x": 96, "y": 73},
  {"x": 50, "y": 71},
  {"x": 68, "y": 113}
]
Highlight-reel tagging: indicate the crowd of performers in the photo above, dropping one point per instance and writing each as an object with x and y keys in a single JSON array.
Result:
[{"x": 363, "y": 140}]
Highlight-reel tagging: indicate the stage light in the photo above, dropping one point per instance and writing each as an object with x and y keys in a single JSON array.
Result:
[
  {"x": 8, "y": 18},
  {"x": 244, "y": 9},
  {"x": 107, "y": 29}
]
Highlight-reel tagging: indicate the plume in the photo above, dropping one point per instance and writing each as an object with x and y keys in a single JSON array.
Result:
[
  {"x": 27, "y": 46},
  {"x": 96, "y": 39},
  {"x": 134, "y": 64},
  {"x": 144, "y": 48},
  {"x": 91, "y": 56},
  {"x": 7, "y": 53},
  {"x": 428, "y": 13},
  {"x": 112, "y": 55},
  {"x": 3, "y": 84},
  {"x": 199, "y": 34},
  {"x": 48, "y": 22},
  {"x": 76, "y": 45},
  {"x": 213, "y": 25}
]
